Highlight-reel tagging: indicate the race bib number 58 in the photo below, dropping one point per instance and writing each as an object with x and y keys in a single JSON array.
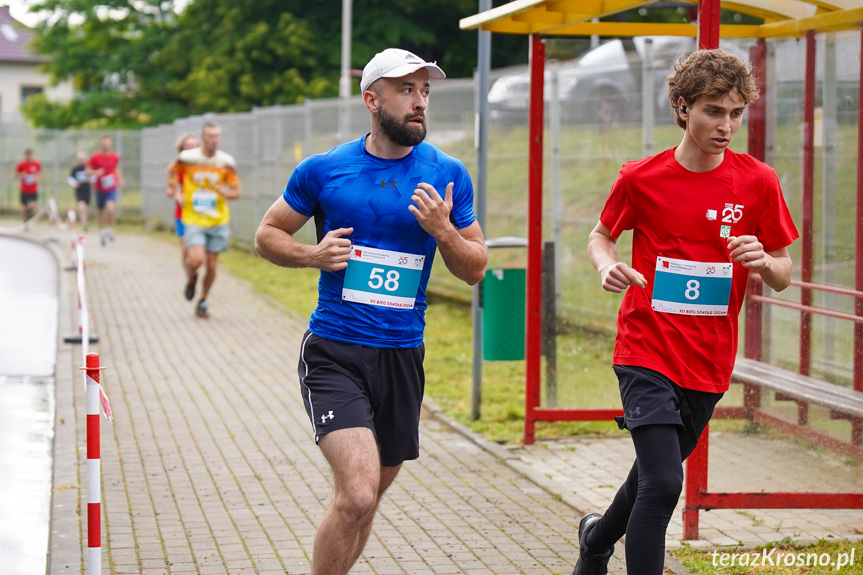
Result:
[{"x": 382, "y": 278}]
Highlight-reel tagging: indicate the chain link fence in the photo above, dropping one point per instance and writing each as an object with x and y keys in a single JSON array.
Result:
[
  {"x": 56, "y": 151},
  {"x": 607, "y": 108}
]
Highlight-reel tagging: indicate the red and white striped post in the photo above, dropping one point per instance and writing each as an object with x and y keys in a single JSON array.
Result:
[
  {"x": 53, "y": 218},
  {"x": 78, "y": 337},
  {"x": 73, "y": 266},
  {"x": 94, "y": 476}
]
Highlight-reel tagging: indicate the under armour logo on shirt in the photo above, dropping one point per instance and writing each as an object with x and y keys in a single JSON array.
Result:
[
  {"x": 632, "y": 412},
  {"x": 327, "y": 416}
]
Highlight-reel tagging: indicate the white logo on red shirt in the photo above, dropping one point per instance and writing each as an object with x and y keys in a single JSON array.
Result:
[{"x": 732, "y": 213}]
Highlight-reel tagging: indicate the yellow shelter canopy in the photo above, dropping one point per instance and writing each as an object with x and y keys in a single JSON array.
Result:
[{"x": 573, "y": 18}]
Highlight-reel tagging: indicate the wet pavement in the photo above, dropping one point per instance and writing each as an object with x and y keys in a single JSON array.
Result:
[
  {"x": 28, "y": 352},
  {"x": 28, "y": 308},
  {"x": 210, "y": 468}
]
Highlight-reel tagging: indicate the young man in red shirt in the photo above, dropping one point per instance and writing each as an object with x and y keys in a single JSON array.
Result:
[
  {"x": 105, "y": 166},
  {"x": 702, "y": 217},
  {"x": 28, "y": 171}
]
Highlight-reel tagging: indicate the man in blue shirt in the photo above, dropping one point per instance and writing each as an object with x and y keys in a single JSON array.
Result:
[{"x": 380, "y": 217}]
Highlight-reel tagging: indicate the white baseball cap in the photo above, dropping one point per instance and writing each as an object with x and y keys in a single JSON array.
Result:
[{"x": 396, "y": 63}]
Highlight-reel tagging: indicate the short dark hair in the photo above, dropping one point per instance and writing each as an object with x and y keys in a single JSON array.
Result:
[
  {"x": 208, "y": 124},
  {"x": 710, "y": 73}
]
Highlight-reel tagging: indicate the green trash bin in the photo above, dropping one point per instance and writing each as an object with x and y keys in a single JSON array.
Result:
[{"x": 503, "y": 314}]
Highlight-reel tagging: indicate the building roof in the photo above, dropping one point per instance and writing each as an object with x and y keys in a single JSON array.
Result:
[
  {"x": 14, "y": 37},
  {"x": 573, "y": 17}
]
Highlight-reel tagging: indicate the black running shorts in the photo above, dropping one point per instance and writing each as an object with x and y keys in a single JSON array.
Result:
[
  {"x": 82, "y": 194},
  {"x": 347, "y": 385},
  {"x": 651, "y": 398}
]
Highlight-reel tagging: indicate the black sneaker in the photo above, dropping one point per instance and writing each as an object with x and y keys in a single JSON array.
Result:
[
  {"x": 590, "y": 563},
  {"x": 190, "y": 287},
  {"x": 201, "y": 310}
]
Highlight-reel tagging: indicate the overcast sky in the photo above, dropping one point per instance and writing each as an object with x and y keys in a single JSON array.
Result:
[{"x": 18, "y": 9}]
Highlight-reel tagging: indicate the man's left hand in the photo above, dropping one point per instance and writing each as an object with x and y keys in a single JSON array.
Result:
[{"x": 748, "y": 252}]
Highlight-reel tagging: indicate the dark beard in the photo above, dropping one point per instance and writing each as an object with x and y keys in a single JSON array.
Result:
[{"x": 400, "y": 132}]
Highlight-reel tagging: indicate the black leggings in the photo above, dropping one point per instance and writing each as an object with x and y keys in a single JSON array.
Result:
[{"x": 644, "y": 504}]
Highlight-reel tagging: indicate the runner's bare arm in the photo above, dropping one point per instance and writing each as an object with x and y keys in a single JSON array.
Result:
[
  {"x": 463, "y": 251},
  {"x": 602, "y": 250},
  {"x": 275, "y": 242},
  {"x": 171, "y": 179},
  {"x": 774, "y": 266},
  {"x": 229, "y": 192}
]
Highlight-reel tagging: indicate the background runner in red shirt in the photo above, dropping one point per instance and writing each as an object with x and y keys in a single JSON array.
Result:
[
  {"x": 104, "y": 165},
  {"x": 28, "y": 171}
]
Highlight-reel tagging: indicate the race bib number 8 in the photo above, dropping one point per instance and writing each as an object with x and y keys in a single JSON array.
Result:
[
  {"x": 382, "y": 278},
  {"x": 692, "y": 288}
]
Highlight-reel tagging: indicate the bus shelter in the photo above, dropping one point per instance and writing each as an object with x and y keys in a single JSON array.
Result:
[{"x": 780, "y": 19}]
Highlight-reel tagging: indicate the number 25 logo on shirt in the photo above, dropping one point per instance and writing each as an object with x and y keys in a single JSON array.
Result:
[{"x": 732, "y": 213}]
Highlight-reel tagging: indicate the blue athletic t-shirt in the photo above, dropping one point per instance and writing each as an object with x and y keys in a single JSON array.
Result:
[{"x": 349, "y": 187}]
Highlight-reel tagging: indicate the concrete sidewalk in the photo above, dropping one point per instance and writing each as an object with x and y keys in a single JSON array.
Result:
[{"x": 210, "y": 467}]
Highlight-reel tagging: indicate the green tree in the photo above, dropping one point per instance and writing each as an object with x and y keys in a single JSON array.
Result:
[
  {"x": 283, "y": 51},
  {"x": 107, "y": 48},
  {"x": 138, "y": 62},
  {"x": 229, "y": 56}
]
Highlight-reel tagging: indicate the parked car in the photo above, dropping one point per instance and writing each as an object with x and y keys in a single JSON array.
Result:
[{"x": 602, "y": 86}]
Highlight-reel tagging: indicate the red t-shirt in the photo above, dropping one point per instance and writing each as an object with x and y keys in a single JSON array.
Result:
[
  {"x": 675, "y": 213},
  {"x": 178, "y": 207},
  {"x": 108, "y": 162},
  {"x": 29, "y": 185}
]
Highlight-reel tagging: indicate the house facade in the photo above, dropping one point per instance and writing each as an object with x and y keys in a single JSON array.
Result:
[{"x": 20, "y": 77}]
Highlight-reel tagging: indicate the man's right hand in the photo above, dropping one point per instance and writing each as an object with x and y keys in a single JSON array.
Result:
[
  {"x": 334, "y": 251},
  {"x": 619, "y": 276}
]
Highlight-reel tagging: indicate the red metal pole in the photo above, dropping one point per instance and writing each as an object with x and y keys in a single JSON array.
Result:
[
  {"x": 758, "y": 109},
  {"x": 858, "y": 256},
  {"x": 708, "y": 24},
  {"x": 782, "y": 500},
  {"x": 696, "y": 485},
  {"x": 807, "y": 201},
  {"x": 533, "y": 296},
  {"x": 696, "y": 463},
  {"x": 757, "y": 143}
]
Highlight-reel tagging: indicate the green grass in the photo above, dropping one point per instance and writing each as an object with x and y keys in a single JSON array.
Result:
[
  {"x": 295, "y": 288},
  {"x": 448, "y": 357},
  {"x": 713, "y": 562},
  {"x": 589, "y": 163},
  {"x": 585, "y": 377}
]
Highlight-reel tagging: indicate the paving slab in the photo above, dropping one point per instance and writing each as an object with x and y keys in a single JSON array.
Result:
[{"x": 210, "y": 466}]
